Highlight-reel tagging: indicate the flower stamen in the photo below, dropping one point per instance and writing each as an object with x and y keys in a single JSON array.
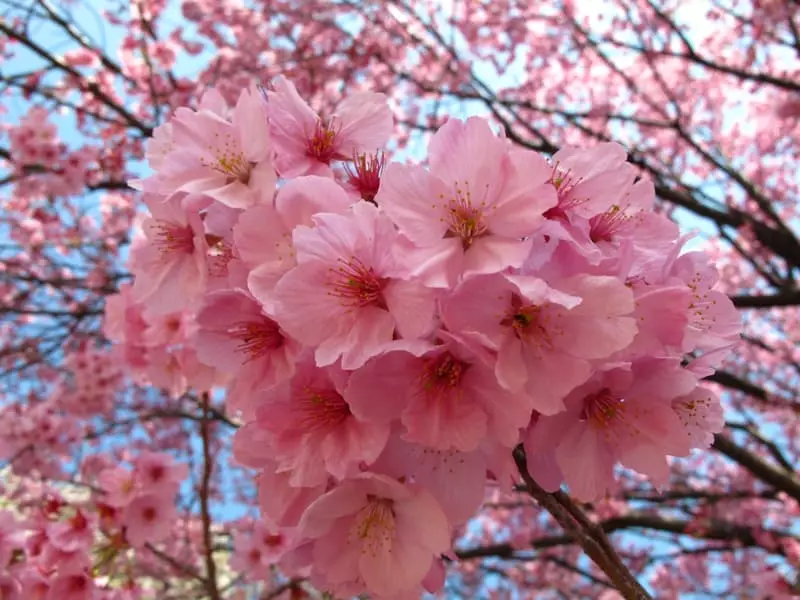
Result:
[
  {"x": 257, "y": 338},
  {"x": 172, "y": 238},
  {"x": 356, "y": 284},
  {"x": 322, "y": 144},
  {"x": 365, "y": 174}
]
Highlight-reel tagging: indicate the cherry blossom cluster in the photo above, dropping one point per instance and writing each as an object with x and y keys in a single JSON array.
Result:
[
  {"x": 34, "y": 437},
  {"x": 95, "y": 378},
  {"x": 154, "y": 347},
  {"x": 72, "y": 548},
  {"x": 138, "y": 505},
  {"x": 257, "y": 547},
  {"x": 46, "y": 167},
  {"x": 390, "y": 332},
  {"x": 39, "y": 435}
]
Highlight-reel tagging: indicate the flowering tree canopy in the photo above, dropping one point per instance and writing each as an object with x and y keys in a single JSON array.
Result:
[{"x": 401, "y": 299}]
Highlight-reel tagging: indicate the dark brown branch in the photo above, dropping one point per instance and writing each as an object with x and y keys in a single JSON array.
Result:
[
  {"x": 590, "y": 537},
  {"x": 787, "y": 298},
  {"x": 734, "y": 382},
  {"x": 90, "y": 87},
  {"x": 714, "y": 530},
  {"x": 205, "y": 513},
  {"x": 758, "y": 467}
]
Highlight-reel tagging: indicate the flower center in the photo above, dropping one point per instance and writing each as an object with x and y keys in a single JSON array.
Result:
[
  {"x": 442, "y": 374},
  {"x": 322, "y": 144},
  {"x": 127, "y": 486},
  {"x": 257, "y": 338},
  {"x": 564, "y": 183},
  {"x": 605, "y": 226},
  {"x": 78, "y": 583},
  {"x": 375, "y": 525},
  {"x": 172, "y": 238},
  {"x": 465, "y": 218},
  {"x": 603, "y": 409},
  {"x": 321, "y": 409},
  {"x": 229, "y": 160},
  {"x": 356, "y": 284},
  {"x": 273, "y": 539},
  {"x": 79, "y": 522},
  {"x": 157, "y": 473},
  {"x": 365, "y": 174},
  {"x": 530, "y": 322}
]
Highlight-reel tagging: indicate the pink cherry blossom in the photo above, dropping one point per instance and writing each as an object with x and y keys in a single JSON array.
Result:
[
  {"x": 148, "y": 517},
  {"x": 542, "y": 332},
  {"x": 473, "y": 211},
  {"x": 171, "y": 261},
  {"x": 456, "y": 479},
  {"x": 229, "y": 161},
  {"x": 11, "y": 536},
  {"x": 447, "y": 398},
  {"x": 256, "y": 551},
  {"x": 236, "y": 335},
  {"x": 73, "y": 534},
  {"x": 306, "y": 143},
  {"x": 125, "y": 324},
  {"x": 624, "y": 414},
  {"x": 263, "y": 234},
  {"x": 10, "y": 588},
  {"x": 158, "y": 473},
  {"x": 118, "y": 485},
  {"x": 376, "y": 532},
  {"x": 178, "y": 370},
  {"x": 364, "y": 174},
  {"x": 78, "y": 586},
  {"x": 314, "y": 432},
  {"x": 350, "y": 293}
]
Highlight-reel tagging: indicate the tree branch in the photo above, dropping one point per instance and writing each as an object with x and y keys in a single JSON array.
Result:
[
  {"x": 787, "y": 298},
  {"x": 205, "y": 514},
  {"x": 758, "y": 467},
  {"x": 590, "y": 537}
]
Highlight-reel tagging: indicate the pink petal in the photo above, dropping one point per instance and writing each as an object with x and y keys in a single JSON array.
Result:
[
  {"x": 408, "y": 194},
  {"x": 412, "y": 307},
  {"x": 394, "y": 568},
  {"x": 320, "y": 516},
  {"x": 250, "y": 121},
  {"x": 493, "y": 254},
  {"x": 379, "y": 391},
  {"x": 301, "y": 198},
  {"x": 470, "y": 154},
  {"x": 303, "y": 308},
  {"x": 586, "y": 463},
  {"x": 367, "y": 123},
  {"x": 511, "y": 368},
  {"x": 420, "y": 520},
  {"x": 372, "y": 330},
  {"x": 562, "y": 373}
]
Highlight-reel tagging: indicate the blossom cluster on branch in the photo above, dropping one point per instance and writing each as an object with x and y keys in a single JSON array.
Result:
[
  {"x": 83, "y": 546},
  {"x": 390, "y": 332}
]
